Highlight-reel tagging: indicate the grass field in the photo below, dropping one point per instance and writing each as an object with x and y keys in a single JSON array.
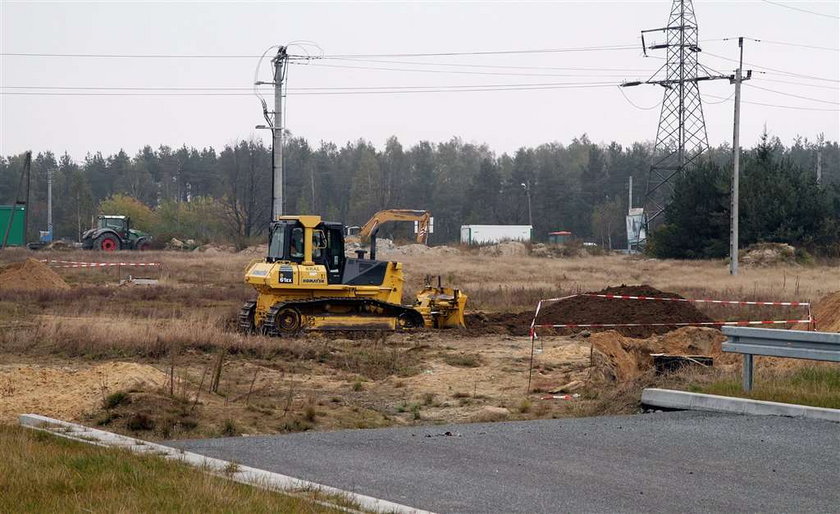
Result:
[{"x": 44, "y": 473}]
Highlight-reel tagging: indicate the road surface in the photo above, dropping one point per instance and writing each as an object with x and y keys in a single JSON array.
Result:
[{"x": 663, "y": 462}]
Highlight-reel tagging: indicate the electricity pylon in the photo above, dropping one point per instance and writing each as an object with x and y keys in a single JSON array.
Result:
[{"x": 681, "y": 137}]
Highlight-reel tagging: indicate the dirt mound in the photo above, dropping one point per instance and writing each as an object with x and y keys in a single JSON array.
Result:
[
  {"x": 68, "y": 393},
  {"x": 30, "y": 275},
  {"x": 582, "y": 310},
  {"x": 619, "y": 358},
  {"x": 827, "y": 313},
  {"x": 768, "y": 254}
]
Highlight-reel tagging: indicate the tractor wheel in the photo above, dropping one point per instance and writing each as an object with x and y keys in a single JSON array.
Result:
[
  {"x": 143, "y": 245},
  {"x": 107, "y": 243}
]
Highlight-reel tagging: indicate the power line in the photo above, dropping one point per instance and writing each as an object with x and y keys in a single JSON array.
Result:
[
  {"x": 621, "y": 89},
  {"x": 802, "y": 84},
  {"x": 457, "y": 72},
  {"x": 793, "y": 95},
  {"x": 720, "y": 101},
  {"x": 774, "y": 42},
  {"x": 811, "y": 77},
  {"x": 311, "y": 57},
  {"x": 489, "y": 66},
  {"x": 801, "y": 9},
  {"x": 344, "y": 88},
  {"x": 792, "y": 107},
  {"x": 305, "y": 93},
  {"x": 495, "y": 52},
  {"x": 798, "y": 45}
]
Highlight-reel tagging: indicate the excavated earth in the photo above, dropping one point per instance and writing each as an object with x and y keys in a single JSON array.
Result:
[
  {"x": 30, "y": 275},
  {"x": 592, "y": 310}
]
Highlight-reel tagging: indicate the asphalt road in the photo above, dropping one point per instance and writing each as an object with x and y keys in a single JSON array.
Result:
[{"x": 663, "y": 462}]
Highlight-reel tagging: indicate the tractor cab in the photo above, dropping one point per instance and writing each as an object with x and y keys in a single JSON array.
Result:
[{"x": 119, "y": 224}]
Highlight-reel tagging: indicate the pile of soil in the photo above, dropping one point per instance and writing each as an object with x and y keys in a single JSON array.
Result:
[
  {"x": 30, "y": 275},
  {"x": 619, "y": 358},
  {"x": 827, "y": 313},
  {"x": 592, "y": 310}
]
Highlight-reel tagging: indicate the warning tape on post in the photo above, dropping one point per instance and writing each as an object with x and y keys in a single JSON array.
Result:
[
  {"x": 76, "y": 264},
  {"x": 690, "y": 300},
  {"x": 697, "y": 324}
]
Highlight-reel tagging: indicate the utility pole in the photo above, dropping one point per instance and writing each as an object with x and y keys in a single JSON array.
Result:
[
  {"x": 819, "y": 159},
  {"x": 629, "y": 208},
  {"x": 280, "y": 62},
  {"x": 49, "y": 206},
  {"x": 736, "y": 162}
]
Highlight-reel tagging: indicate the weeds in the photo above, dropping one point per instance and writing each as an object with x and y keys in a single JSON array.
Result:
[{"x": 115, "y": 399}]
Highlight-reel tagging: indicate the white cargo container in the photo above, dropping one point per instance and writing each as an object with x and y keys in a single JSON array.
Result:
[{"x": 484, "y": 234}]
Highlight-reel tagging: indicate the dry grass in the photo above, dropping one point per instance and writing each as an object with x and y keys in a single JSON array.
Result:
[
  {"x": 515, "y": 283},
  {"x": 43, "y": 473}
]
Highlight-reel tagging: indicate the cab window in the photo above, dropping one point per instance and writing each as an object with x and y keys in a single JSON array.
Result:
[
  {"x": 319, "y": 244},
  {"x": 296, "y": 250}
]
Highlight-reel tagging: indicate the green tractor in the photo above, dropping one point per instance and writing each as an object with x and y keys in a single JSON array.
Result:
[{"x": 115, "y": 233}]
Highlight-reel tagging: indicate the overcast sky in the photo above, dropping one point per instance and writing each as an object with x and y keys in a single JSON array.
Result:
[{"x": 504, "y": 119}]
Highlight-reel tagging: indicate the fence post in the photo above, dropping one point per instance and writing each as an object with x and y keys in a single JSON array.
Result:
[{"x": 748, "y": 372}]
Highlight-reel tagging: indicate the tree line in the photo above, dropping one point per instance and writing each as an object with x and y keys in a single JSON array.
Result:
[{"x": 224, "y": 195}]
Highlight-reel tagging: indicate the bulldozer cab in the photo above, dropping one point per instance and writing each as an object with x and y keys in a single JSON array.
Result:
[{"x": 304, "y": 241}]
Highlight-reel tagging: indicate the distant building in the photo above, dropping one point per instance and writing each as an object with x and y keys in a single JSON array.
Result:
[
  {"x": 559, "y": 237},
  {"x": 488, "y": 234}
]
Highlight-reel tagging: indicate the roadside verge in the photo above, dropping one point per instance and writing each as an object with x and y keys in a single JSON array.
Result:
[{"x": 226, "y": 469}]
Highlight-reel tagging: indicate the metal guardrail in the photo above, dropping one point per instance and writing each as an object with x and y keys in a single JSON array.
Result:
[{"x": 795, "y": 344}]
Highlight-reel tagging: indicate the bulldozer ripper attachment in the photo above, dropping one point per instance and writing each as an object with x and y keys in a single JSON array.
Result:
[{"x": 441, "y": 307}]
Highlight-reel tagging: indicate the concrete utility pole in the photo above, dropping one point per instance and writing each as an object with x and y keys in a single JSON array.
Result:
[
  {"x": 49, "y": 205},
  {"x": 736, "y": 163},
  {"x": 629, "y": 208},
  {"x": 280, "y": 61},
  {"x": 819, "y": 159}
]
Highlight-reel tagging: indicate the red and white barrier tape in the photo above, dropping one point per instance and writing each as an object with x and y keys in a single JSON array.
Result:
[
  {"x": 689, "y": 300},
  {"x": 76, "y": 264},
  {"x": 696, "y": 324}
]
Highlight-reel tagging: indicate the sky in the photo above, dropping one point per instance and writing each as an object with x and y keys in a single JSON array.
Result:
[{"x": 795, "y": 86}]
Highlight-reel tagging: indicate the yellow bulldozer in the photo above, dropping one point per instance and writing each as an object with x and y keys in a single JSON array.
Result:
[{"x": 306, "y": 282}]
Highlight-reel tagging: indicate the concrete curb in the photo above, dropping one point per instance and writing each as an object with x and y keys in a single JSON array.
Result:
[
  {"x": 670, "y": 399},
  {"x": 226, "y": 469}
]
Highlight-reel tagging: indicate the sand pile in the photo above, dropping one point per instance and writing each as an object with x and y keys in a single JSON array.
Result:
[
  {"x": 30, "y": 275},
  {"x": 622, "y": 358},
  {"x": 68, "y": 393},
  {"x": 592, "y": 310}
]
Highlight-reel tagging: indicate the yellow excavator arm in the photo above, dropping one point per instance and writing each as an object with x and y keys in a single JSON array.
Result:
[{"x": 423, "y": 218}]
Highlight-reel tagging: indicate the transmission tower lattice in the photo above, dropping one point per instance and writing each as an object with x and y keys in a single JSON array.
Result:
[{"x": 681, "y": 137}]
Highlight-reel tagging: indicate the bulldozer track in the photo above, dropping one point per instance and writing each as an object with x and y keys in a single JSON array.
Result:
[
  {"x": 246, "y": 317},
  {"x": 411, "y": 317}
]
